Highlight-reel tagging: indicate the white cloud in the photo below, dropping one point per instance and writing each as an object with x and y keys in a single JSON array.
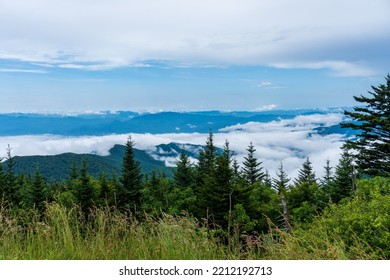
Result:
[
  {"x": 340, "y": 68},
  {"x": 287, "y": 141},
  {"x": 266, "y": 108},
  {"x": 36, "y": 71},
  {"x": 107, "y": 34},
  {"x": 269, "y": 85}
]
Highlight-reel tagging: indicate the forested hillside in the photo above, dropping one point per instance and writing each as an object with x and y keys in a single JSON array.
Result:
[
  {"x": 57, "y": 167},
  {"x": 238, "y": 211}
]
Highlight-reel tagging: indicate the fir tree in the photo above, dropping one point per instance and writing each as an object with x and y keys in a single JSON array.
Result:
[
  {"x": 2, "y": 180},
  {"x": 328, "y": 176},
  {"x": 280, "y": 183},
  {"x": 267, "y": 179},
  {"x": 129, "y": 191},
  {"x": 105, "y": 194},
  {"x": 85, "y": 192},
  {"x": 183, "y": 176},
  {"x": 205, "y": 176},
  {"x": 220, "y": 196},
  {"x": 343, "y": 183},
  {"x": 73, "y": 174},
  {"x": 252, "y": 171},
  {"x": 38, "y": 193},
  {"x": 372, "y": 123},
  {"x": 207, "y": 158},
  {"x": 306, "y": 174},
  {"x": 10, "y": 191}
]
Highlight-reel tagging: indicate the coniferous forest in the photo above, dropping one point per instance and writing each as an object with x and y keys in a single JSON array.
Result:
[{"x": 214, "y": 209}]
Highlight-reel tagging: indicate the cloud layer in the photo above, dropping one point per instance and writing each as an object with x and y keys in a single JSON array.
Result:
[
  {"x": 287, "y": 141},
  {"x": 98, "y": 34}
]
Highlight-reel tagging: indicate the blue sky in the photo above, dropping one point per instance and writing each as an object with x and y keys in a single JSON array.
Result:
[{"x": 68, "y": 55}]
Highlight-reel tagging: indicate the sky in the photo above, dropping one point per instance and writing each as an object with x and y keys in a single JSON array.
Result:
[{"x": 175, "y": 55}]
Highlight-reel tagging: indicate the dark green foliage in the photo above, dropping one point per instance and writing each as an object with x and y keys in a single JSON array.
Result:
[
  {"x": 252, "y": 170},
  {"x": 9, "y": 190},
  {"x": 344, "y": 179},
  {"x": 184, "y": 185},
  {"x": 106, "y": 194},
  {"x": 306, "y": 174},
  {"x": 156, "y": 194},
  {"x": 280, "y": 183},
  {"x": 220, "y": 196},
  {"x": 73, "y": 175},
  {"x": 184, "y": 174},
  {"x": 2, "y": 180},
  {"x": 129, "y": 190},
  {"x": 85, "y": 190},
  {"x": 263, "y": 204},
  {"x": 38, "y": 192},
  {"x": 372, "y": 123},
  {"x": 205, "y": 180},
  {"x": 305, "y": 200},
  {"x": 328, "y": 176},
  {"x": 63, "y": 166}
]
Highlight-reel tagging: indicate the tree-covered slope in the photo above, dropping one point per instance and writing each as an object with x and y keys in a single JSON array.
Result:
[{"x": 57, "y": 167}]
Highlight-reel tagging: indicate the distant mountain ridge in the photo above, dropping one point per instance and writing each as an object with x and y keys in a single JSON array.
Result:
[
  {"x": 57, "y": 167},
  {"x": 122, "y": 122}
]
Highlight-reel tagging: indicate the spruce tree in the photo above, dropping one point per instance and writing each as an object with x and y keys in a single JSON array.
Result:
[
  {"x": 205, "y": 176},
  {"x": 280, "y": 183},
  {"x": 183, "y": 175},
  {"x": 344, "y": 178},
  {"x": 38, "y": 193},
  {"x": 327, "y": 179},
  {"x": 183, "y": 192},
  {"x": 85, "y": 191},
  {"x": 306, "y": 174},
  {"x": 2, "y": 180},
  {"x": 252, "y": 170},
  {"x": 129, "y": 189},
  {"x": 220, "y": 200},
  {"x": 105, "y": 194},
  {"x": 372, "y": 123},
  {"x": 10, "y": 191}
]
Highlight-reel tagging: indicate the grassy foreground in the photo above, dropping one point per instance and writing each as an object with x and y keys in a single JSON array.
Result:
[{"x": 64, "y": 234}]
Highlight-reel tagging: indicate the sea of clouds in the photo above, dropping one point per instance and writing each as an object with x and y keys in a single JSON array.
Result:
[{"x": 287, "y": 141}]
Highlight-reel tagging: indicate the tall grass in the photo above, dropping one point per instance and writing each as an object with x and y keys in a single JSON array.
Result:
[
  {"x": 62, "y": 233},
  {"x": 107, "y": 234}
]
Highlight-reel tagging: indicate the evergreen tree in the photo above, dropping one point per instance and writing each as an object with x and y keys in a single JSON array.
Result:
[
  {"x": 183, "y": 192},
  {"x": 129, "y": 191},
  {"x": 205, "y": 176},
  {"x": 10, "y": 191},
  {"x": 343, "y": 183},
  {"x": 267, "y": 179},
  {"x": 252, "y": 171},
  {"x": 183, "y": 175},
  {"x": 280, "y": 183},
  {"x": 105, "y": 194},
  {"x": 306, "y": 174},
  {"x": 85, "y": 191},
  {"x": 207, "y": 159},
  {"x": 220, "y": 196},
  {"x": 38, "y": 193},
  {"x": 73, "y": 174},
  {"x": 327, "y": 178},
  {"x": 2, "y": 180},
  {"x": 372, "y": 123}
]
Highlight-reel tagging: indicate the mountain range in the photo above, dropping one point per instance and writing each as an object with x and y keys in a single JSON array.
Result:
[
  {"x": 103, "y": 123},
  {"x": 53, "y": 142},
  {"x": 57, "y": 167}
]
